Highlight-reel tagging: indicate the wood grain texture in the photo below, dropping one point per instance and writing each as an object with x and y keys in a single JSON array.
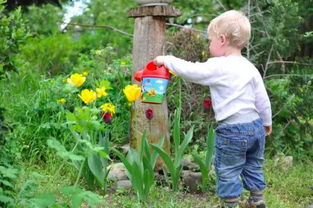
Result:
[
  {"x": 148, "y": 42},
  {"x": 163, "y": 11}
]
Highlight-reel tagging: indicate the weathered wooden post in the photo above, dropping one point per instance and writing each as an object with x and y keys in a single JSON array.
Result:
[{"x": 149, "y": 42}]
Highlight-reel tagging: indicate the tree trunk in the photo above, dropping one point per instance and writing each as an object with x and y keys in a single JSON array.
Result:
[{"x": 149, "y": 42}]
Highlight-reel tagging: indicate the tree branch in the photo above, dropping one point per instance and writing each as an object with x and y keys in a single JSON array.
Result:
[
  {"x": 290, "y": 75},
  {"x": 102, "y": 26},
  {"x": 182, "y": 26},
  {"x": 221, "y": 4},
  {"x": 289, "y": 62}
]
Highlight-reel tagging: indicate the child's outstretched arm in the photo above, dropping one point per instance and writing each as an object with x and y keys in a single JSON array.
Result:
[{"x": 201, "y": 73}]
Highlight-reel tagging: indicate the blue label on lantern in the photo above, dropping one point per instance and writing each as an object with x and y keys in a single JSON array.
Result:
[{"x": 154, "y": 89}]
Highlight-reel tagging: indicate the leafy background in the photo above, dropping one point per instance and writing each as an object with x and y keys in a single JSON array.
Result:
[{"x": 36, "y": 56}]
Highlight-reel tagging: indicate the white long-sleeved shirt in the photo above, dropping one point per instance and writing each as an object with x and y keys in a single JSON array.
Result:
[{"x": 236, "y": 86}]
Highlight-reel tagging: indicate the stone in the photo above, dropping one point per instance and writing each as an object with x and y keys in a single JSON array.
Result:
[
  {"x": 283, "y": 162},
  {"x": 192, "y": 180},
  {"x": 187, "y": 164},
  {"x": 125, "y": 148},
  {"x": 123, "y": 184},
  {"x": 117, "y": 172},
  {"x": 160, "y": 178}
]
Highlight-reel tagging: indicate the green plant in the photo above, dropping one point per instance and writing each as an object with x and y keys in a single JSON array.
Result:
[
  {"x": 140, "y": 166},
  {"x": 9, "y": 172},
  {"x": 103, "y": 14},
  {"x": 291, "y": 97},
  {"x": 13, "y": 33},
  {"x": 78, "y": 195},
  {"x": 206, "y": 163},
  {"x": 90, "y": 158},
  {"x": 8, "y": 175},
  {"x": 174, "y": 165},
  {"x": 28, "y": 196},
  {"x": 44, "y": 20},
  {"x": 50, "y": 55}
]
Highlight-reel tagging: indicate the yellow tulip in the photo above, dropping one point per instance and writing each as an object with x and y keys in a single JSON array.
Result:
[
  {"x": 108, "y": 107},
  {"x": 132, "y": 92},
  {"x": 62, "y": 100},
  {"x": 88, "y": 96},
  {"x": 101, "y": 92},
  {"x": 76, "y": 80}
]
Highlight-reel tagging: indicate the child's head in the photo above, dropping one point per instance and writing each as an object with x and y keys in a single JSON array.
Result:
[{"x": 234, "y": 25}]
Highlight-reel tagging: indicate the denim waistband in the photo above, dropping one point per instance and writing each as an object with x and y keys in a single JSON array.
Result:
[{"x": 240, "y": 118}]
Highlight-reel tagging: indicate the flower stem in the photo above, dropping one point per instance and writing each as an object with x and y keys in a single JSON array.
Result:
[{"x": 79, "y": 173}]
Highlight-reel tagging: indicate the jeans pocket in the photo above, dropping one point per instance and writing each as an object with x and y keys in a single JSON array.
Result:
[{"x": 230, "y": 152}]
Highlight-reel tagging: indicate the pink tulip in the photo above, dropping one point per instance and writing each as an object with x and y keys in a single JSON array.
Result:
[
  {"x": 149, "y": 113},
  {"x": 107, "y": 117},
  {"x": 207, "y": 104}
]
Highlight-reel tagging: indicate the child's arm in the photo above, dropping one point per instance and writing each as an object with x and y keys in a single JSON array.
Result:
[
  {"x": 262, "y": 103},
  {"x": 201, "y": 73}
]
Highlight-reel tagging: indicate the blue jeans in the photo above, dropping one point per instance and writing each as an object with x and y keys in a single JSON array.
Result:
[{"x": 239, "y": 156}]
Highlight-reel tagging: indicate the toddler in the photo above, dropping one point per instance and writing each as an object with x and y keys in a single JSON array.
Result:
[{"x": 241, "y": 105}]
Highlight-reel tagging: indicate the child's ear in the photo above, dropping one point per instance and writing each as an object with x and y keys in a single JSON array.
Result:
[{"x": 223, "y": 40}]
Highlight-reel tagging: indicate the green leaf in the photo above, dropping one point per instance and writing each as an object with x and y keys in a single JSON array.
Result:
[
  {"x": 92, "y": 198},
  {"x": 103, "y": 154},
  {"x": 203, "y": 169},
  {"x": 62, "y": 152},
  {"x": 106, "y": 84},
  {"x": 176, "y": 133},
  {"x": 8, "y": 172},
  {"x": 77, "y": 200},
  {"x": 6, "y": 183},
  {"x": 184, "y": 145},
  {"x": 44, "y": 200},
  {"x": 104, "y": 141},
  {"x": 123, "y": 159},
  {"x": 210, "y": 146},
  {"x": 167, "y": 160},
  {"x": 71, "y": 117},
  {"x": 70, "y": 190},
  {"x": 5, "y": 199},
  {"x": 155, "y": 154},
  {"x": 95, "y": 166}
]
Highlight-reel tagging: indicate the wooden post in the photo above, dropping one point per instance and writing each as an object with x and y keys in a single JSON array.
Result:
[{"x": 149, "y": 42}]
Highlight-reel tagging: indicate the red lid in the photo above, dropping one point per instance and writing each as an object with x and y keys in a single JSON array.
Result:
[
  {"x": 152, "y": 70},
  {"x": 138, "y": 75}
]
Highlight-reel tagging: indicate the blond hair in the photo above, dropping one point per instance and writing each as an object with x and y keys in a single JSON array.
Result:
[{"x": 234, "y": 25}]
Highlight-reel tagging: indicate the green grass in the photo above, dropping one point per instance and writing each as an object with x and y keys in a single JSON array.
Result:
[
  {"x": 290, "y": 188},
  {"x": 286, "y": 189}
]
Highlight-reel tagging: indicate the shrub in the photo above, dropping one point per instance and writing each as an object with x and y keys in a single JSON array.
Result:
[
  {"x": 13, "y": 33},
  {"x": 49, "y": 55}
]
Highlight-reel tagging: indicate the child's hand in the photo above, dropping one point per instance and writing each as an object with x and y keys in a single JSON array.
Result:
[
  {"x": 268, "y": 130},
  {"x": 159, "y": 60}
]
